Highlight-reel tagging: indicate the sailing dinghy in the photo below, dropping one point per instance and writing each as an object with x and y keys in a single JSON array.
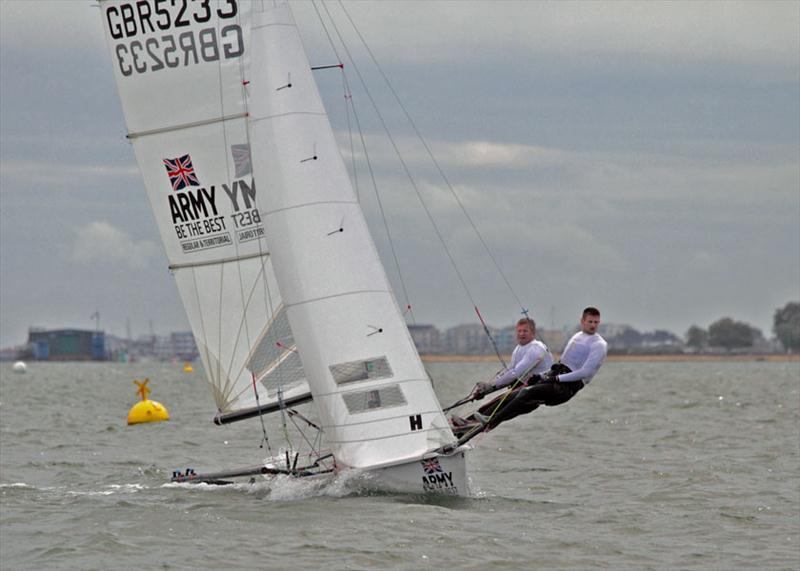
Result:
[{"x": 282, "y": 284}]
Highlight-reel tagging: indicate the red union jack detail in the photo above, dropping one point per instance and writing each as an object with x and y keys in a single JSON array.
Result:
[
  {"x": 431, "y": 466},
  {"x": 181, "y": 172}
]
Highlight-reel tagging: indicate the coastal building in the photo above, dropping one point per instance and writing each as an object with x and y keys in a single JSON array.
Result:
[
  {"x": 12, "y": 353},
  {"x": 178, "y": 345},
  {"x": 469, "y": 339},
  {"x": 506, "y": 339},
  {"x": 183, "y": 345},
  {"x": 66, "y": 345},
  {"x": 554, "y": 339},
  {"x": 426, "y": 338},
  {"x": 143, "y": 346},
  {"x": 117, "y": 349}
]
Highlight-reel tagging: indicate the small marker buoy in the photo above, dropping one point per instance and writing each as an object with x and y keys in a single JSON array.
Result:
[
  {"x": 146, "y": 410},
  {"x": 187, "y": 367},
  {"x": 19, "y": 367}
]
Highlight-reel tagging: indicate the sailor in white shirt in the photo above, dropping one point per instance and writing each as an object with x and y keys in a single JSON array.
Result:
[
  {"x": 584, "y": 354},
  {"x": 530, "y": 357},
  {"x": 580, "y": 361}
]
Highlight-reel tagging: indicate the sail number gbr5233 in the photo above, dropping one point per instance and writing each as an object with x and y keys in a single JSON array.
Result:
[{"x": 166, "y": 45}]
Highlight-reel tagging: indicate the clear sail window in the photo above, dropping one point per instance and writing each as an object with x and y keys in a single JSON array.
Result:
[
  {"x": 287, "y": 374},
  {"x": 373, "y": 399},
  {"x": 366, "y": 370},
  {"x": 274, "y": 361}
]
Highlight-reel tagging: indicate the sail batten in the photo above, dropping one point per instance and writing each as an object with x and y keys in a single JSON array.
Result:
[
  {"x": 367, "y": 439},
  {"x": 337, "y": 295},
  {"x": 306, "y": 205},
  {"x": 287, "y": 114},
  {"x": 218, "y": 261},
  {"x": 171, "y": 128}
]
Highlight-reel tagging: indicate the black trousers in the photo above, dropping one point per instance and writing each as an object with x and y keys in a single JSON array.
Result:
[{"x": 526, "y": 399}]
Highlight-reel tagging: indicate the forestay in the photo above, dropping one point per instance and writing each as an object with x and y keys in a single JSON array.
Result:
[
  {"x": 181, "y": 70},
  {"x": 375, "y": 400}
]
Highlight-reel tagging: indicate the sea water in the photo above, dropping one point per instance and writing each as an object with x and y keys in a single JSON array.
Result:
[{"x": 653, "y": 466}]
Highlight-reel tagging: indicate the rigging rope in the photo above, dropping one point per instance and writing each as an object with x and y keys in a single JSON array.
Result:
[
  {"x": 264, "y": 437},
  {"x": 433, "y": 159},
  {"x": 404, "y": 165},
  {"x": 349, "y": 98},
  {"x": 408, "y": 172},
  {"x": 315, "y": 446},
  {"x": 282, "y": 407},
  {"x": 262, "y": 274},
  {"x": 489, "y": 335}
]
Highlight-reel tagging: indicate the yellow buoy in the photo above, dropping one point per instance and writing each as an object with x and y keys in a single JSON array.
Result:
[
  {"x": 187, "y": 368},
  {"x": 146, "y": 410}
]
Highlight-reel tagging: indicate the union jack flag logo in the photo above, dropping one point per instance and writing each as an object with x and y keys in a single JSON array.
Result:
[
  {"x": 181, "y": 172},
  {"x": 431, "y": 466}
]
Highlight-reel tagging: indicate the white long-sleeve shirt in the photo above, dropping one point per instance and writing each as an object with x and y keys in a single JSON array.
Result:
[
  {"x": 584, "y": 354},
  {"x": 532, "y": 358}
]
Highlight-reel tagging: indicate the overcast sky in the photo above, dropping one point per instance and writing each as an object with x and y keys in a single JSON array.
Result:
[{"x": 642, "y": 157}]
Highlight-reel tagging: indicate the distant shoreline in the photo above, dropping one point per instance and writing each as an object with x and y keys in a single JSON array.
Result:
[{"x": 630, "y": 358}]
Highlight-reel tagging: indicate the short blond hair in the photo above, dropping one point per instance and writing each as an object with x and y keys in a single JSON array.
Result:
[{"x": 529, "y": 322}]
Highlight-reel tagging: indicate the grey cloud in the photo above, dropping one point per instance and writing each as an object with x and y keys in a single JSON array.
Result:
[
  {"x": 477, "y": 31},
  {"x": 420, "y": 31},
  {"x": 101, "y": 244},
  {"x": 638, "y": 156},
  {"x": 21, "y": 173}
]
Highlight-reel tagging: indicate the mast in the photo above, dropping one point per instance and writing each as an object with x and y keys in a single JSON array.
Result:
[{"x": 375, "y": 400}]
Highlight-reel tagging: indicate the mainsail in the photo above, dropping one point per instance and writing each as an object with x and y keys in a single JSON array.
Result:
[
  {"x": 218, "y": 97},
  {"x": 374, "y": 397},
  {"x": 180, "y": 69}
]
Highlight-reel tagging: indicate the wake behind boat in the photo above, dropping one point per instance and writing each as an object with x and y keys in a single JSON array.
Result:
[{"x": 286, "y": 295}]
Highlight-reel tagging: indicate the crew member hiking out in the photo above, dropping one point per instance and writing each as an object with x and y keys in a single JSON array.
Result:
[
  {"x": 580, "y": 361},
  {"x": 530, "y": 357}
]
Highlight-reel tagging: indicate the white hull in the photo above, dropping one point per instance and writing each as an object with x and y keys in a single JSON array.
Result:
[{"x": 436, "y": 474}]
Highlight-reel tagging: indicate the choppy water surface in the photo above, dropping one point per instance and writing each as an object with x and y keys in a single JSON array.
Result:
[{"x": 654, "y": 466}]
